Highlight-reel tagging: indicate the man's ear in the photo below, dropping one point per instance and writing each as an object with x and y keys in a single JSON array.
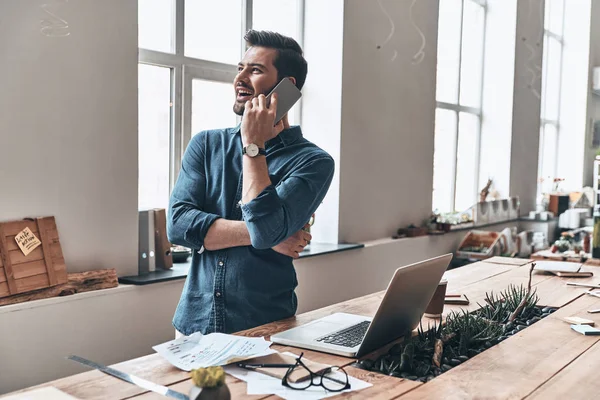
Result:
[{"x": 291, "y": 78}]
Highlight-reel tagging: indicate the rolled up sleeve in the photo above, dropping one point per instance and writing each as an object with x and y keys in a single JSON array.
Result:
[
  {"x": 187, "y": 222},
  {"x": 280, "y": 211}
]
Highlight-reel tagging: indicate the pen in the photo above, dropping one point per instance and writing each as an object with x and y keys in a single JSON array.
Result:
[
  {"x": 242, "y": 365},
  {"x": 583, "y": 285},
  {"x": 593, "y": 293},
  {"x": 594, "y": 311}
]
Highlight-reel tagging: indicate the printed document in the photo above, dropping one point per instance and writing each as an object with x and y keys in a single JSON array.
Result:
[{"x": 199, "y": 351}]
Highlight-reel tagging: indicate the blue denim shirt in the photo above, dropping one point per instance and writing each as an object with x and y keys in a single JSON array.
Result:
[{"x": 242, "y": 287}]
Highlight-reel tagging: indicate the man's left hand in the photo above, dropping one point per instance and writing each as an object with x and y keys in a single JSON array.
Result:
[{"x": 293, "y": 245}]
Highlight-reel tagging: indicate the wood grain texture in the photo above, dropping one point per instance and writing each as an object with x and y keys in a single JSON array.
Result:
[
  {"x": 592, "y": 262},
  {"x": 45, "y": 224},
  {"x": 517, "y": 366},
  {"x": 384, "y": 387},
  {"x": 12, "y": 244},
  {"x": 508, "y": 261},
  {"x": 95, "y": 385},
  {"x": 11, "y": 285},
  {"x": 17, "y": 257},
  {"x": 579, "y": 380},
  {"x": 41, "y": 268},
  {"x": 473, "y": 273},
  {"x": 76, "y": 283},
  {"x": 237, "y": 389},
  {"x": 554, "y": 292},
  {"x": 13, "y": 228}
]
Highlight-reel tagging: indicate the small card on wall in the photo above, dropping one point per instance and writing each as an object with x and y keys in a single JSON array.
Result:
[{"x": 27, "y": 241}]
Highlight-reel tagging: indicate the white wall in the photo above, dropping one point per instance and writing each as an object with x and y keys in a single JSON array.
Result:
[
  {"x": 526, "y": 105},
  {"x": 68, "y": 126},
  {"x": 388, "y": 107}
]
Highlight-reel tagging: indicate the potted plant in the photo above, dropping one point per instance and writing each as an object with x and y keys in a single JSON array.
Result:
[{"x": 209, "y": 384}]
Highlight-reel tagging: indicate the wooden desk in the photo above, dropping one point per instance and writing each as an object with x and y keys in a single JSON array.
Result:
[{"x": 547, "y": 360}]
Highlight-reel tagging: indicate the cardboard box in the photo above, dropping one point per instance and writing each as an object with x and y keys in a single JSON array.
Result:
[{"x": 487, "y": 241}]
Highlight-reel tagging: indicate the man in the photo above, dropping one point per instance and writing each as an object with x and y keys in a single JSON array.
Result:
[{"x": 245, "y": 213}]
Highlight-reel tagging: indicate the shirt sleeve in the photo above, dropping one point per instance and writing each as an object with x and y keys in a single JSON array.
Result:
[
  {"x": 280, "y": 211},
  {"x": 187, "y": 222}
]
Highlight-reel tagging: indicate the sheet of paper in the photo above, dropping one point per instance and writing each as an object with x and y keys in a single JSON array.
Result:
[
  {"x": 198, "y": 351},
  {"x": 46, "y": 393},
  {"x": 260, "y": 384},
  {"x": 554, "y": 266}
]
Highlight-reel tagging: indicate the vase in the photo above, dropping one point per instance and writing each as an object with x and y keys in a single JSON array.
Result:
[{"x": 216, "y": 393}]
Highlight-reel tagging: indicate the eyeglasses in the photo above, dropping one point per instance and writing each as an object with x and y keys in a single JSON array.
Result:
[{"x": 336, "y": 383}]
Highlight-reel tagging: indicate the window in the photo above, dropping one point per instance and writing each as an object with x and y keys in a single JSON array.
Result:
[
  {"x": 154, "y": 94},
  {"x": 550, "y": 97},
  {"x": 189, "y": 50},
  {"x": 461, "y": 34}
]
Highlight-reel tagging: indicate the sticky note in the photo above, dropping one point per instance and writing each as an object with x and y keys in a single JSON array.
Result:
[
  {"x": 27, "y": 241},
  {"x": 579, "y": 321}
]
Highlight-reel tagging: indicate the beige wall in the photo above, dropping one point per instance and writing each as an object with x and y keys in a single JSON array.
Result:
[{"x": 68, "y": 127}]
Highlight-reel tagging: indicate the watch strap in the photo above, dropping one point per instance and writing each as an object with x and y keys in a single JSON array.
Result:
[{"x": 261, "y": 151}]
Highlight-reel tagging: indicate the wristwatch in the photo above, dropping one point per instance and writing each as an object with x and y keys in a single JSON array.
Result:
[{"x": 253, "y": 150}]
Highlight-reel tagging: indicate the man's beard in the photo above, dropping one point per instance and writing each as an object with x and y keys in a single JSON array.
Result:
[{"x": 238, "y": 108}]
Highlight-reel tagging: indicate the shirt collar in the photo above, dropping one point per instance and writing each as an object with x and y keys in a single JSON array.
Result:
[{"x": 288, "y": 136}]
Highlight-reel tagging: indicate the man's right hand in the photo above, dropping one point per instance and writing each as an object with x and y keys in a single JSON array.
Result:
[{"x": 294, "y": 244}]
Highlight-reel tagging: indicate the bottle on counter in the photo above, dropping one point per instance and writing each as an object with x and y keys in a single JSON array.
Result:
[
  {"x": 596, "y": 235},
  {"x": 586, "y": 243}
]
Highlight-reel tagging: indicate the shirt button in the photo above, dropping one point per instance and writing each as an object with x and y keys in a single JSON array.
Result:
[
  {"x": 221, "y": 263},
  {"x": 218, "y": 294}
]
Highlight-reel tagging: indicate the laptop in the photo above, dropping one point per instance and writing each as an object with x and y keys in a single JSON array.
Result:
[{"x": 404, "y": 302}]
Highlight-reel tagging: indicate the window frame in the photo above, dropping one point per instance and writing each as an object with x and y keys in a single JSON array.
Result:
[
  {"x": 184, "y": 69},
  {"x": 457, "y": 108},
  {"x": 547, "y": 37}
]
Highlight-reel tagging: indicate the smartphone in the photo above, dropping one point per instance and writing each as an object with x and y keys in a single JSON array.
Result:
[{"x": 287, "y": 95}]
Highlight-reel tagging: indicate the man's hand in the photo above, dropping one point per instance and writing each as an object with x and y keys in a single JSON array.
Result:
[
  {"x": 294, "y": 244},
  {"x": 258, "y": 121}
]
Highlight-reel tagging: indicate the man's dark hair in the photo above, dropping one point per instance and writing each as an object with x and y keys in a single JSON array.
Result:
[{"x": 289, "y": 61}]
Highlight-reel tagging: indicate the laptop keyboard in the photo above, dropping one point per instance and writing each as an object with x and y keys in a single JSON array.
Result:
[{"x": 348, "y": 337}]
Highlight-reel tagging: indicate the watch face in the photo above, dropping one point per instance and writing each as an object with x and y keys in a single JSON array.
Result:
[{"x": 252, "y": 150}]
